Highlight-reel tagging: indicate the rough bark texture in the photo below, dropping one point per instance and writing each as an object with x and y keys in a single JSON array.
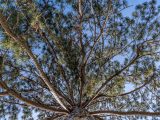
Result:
[
  {"x": 83, "y": 118},
  {"x": 79, "y": 114}
]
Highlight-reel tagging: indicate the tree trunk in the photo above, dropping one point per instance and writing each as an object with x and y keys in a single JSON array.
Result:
[
  {"x": 79, "y": 114},
  {"x": 80, "y": 118}
]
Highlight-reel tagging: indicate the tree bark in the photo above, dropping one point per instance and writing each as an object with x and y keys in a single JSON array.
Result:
[
  {"x": 79, "y": 114},
  {"x": 80, "y": 118}
]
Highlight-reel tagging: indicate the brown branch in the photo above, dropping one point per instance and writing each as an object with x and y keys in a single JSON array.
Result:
[
  {"x": 62, "y": 71},
  {"x": 56, "y": 39},
  {"x": 82, "y": 68},
  {"x": 21, "y": 42},
  {"x": 109, "y": 79},
  {"x": 131, "y": 90},
  {"x": 43, "y": 85},
  {"x": 3, "y": 93},
  {"x": 123, "y": 94},
  {"x": 85, "y": 58},
  {"x": 80, "y": 7},
  {"x": 101, "y": 33},
  {"x": 29, "y": 80},
  {"x": 1, "y": 65},
  {"x": 129, "y": 113},
  {"x": 29, "y": 102}
]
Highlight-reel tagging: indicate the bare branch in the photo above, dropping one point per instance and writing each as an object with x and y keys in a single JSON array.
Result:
[
  {"x": 82, "y": 68},
  {"x": 3, "y": 94},
  {"x": 129, "y": 113}
]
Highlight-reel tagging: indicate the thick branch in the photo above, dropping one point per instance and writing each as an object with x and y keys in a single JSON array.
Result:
[
  {"x": 62, "y": 71},
  {"x": 125, "y": 113},
  {"x": 29, "y": 102}
]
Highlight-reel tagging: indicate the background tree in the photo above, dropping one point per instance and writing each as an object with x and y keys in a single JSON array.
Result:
[{"x": 73, "y": 59}]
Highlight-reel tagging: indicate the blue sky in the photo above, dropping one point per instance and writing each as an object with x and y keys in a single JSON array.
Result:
[{"x": 134, "y": 3}]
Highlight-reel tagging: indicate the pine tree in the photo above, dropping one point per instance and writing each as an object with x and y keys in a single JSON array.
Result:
[{"x": 72, "y": 60}]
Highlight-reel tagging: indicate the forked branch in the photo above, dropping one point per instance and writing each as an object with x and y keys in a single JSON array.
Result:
[{"x": 20, "y": 41}]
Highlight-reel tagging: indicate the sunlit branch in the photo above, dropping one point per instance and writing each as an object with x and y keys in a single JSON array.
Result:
[{"x": 70, "y": 91}]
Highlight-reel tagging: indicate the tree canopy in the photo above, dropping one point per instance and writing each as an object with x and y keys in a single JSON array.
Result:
[{"x": 73, "y": 60}]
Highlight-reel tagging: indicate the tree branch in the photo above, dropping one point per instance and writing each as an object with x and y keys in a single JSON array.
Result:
[
  {"x": 129, "y": 113},
  {"x": 101, "y": 33},
  {"x": 109, "y": 79},
  {"x": 21, "y": 42},
  {"x": 123, "y": 94},
  {"x": 3, "y": 93},
  {"x": 70, "y": 92},
  {"x": 29, "y": 102},
  {"x": 82, "y": 68}
]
